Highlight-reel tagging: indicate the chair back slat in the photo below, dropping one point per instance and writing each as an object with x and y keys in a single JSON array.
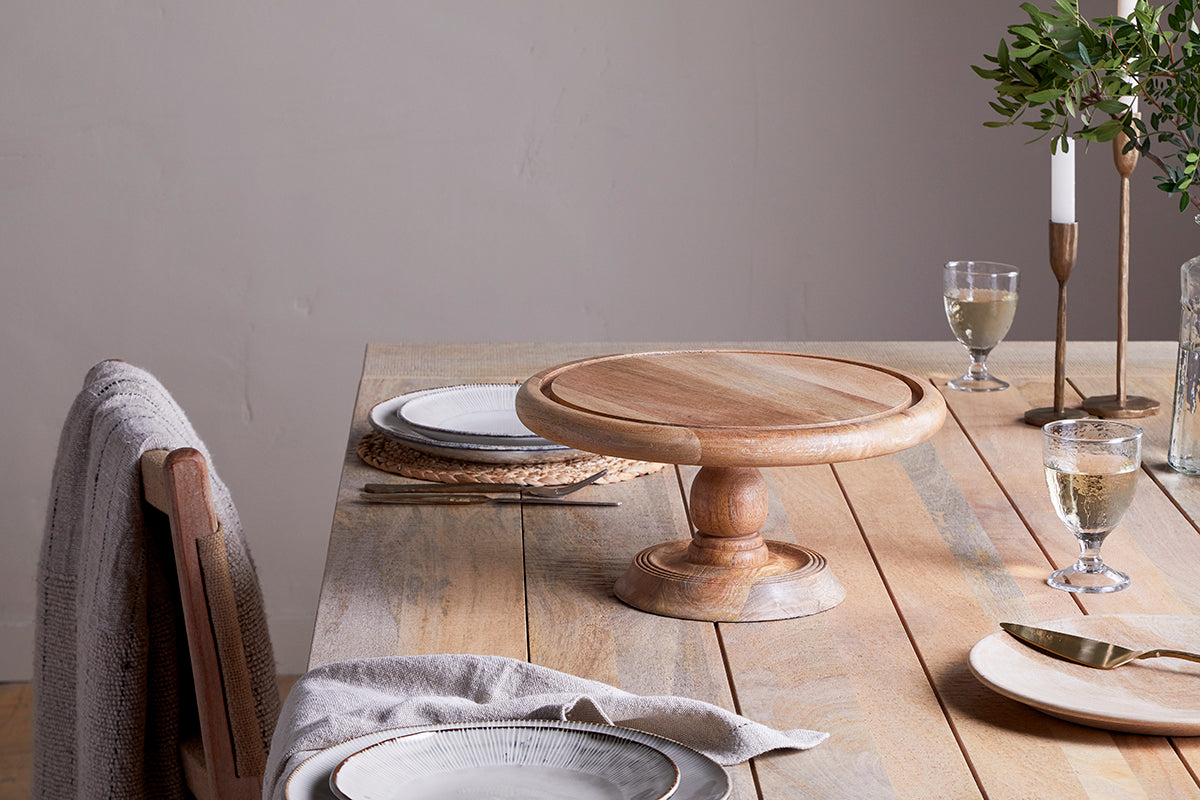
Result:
[
  {"x": 178, "y": 483},
  {"x": 249, "y": 757}
]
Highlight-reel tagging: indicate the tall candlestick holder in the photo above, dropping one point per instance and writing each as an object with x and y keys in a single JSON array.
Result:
[
  {"x": 1064, "y": 243},
  {"x": 1121, "y": 405}
]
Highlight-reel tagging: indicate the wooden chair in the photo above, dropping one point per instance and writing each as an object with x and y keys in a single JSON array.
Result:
[{"x": 227, "y": 760}]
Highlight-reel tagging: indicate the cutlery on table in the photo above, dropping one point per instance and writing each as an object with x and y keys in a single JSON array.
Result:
[
  {"x": 1089, "y": 652},
  {"x": 443, "y": 499},
  {"x": 483, "y": 488}
]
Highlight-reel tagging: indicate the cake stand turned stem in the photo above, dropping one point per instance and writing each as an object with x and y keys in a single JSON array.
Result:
[
  {"x": 727, "y": 572},
  {"x": 1120, "y": 405},
  {"x": 729, "y": 505},
  {"x": 1064, "y": 243}
]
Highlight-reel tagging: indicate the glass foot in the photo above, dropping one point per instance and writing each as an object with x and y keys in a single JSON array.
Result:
[
  {"x": 970, "y": 383},
  {"x": 1074, "y": 579}
]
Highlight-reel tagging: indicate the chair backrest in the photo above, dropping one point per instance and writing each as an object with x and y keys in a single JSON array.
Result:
[{"x": 231, "y": 762}]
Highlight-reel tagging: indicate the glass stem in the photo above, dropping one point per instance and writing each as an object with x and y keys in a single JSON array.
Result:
[
  {"x": 978, "y": 370},
  {"x": 1089, "y": 552}
]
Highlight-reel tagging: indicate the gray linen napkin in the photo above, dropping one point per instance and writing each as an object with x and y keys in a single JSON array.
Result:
[{"x": 339, "y": 701}]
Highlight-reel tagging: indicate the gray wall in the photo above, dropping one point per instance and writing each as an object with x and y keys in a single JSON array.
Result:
[{"x": 238, "y": 196}]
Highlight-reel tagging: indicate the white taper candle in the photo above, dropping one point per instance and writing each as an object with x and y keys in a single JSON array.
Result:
[
  {"x": 1124, "y": 9},
  {"x": 1062, "y": 184}
]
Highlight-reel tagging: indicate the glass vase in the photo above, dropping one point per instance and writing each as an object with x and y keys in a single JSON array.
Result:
[{"x": 1184, "y": 452}]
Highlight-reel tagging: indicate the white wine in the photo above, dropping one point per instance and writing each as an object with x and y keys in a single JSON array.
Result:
[
  {"x": 980, "y": 317},
  {"x": 1091, "y": 502}
]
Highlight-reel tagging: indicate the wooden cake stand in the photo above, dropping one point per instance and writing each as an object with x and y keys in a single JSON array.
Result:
[{"x": 730, "y": 412}]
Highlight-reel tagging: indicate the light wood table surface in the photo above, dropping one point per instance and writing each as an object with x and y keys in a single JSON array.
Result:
[{"x": 935, "y": 546}]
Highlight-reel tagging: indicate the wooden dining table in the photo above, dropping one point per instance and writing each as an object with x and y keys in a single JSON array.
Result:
[{"x": 935, "y": 546}]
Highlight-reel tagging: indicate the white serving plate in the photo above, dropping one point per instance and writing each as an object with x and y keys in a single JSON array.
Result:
[
  {"x": 1156, "y": 696},
  {"x": 479, "y": 413},
  {"x": 700, "y": 778},
  {"x": 384, "y": 419},
  {"x": 529, "y": 763}
]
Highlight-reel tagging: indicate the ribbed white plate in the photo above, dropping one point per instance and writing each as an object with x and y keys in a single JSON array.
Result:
[
  {"x": 495, "y": 763},
  {"x": 383, "y": 418},
  {"x": 700, "y": 778},
  {"x": 480, "y": 413}
]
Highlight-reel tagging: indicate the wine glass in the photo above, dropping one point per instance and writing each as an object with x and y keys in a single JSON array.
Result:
[
  {"x": 1091, "y": 469},
  {"x": 980, "y": 299}
]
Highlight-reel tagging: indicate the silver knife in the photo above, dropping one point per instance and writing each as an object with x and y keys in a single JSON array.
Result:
[{"x": 1088, "y": 652}]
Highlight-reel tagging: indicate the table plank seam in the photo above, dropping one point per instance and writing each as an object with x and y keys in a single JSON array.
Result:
[
  {"x": 1009, "y": 498},
  {"x": 525, "y": 587},
  {"x": 733, "y": 693},
  {"x": 887, "y": 587}
]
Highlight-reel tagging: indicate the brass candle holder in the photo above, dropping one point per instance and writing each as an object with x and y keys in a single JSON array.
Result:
[
  {"x": 1064, "y": 243},
  {"x": 1121, "y": 405}
]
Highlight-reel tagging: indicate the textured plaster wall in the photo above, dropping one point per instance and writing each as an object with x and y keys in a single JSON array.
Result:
[{"x": 239, "y": 195}]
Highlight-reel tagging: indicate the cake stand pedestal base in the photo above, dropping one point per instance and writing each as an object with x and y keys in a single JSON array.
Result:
[
  {"x": 727, "y": 572},
  {"x": 794, "y": 582}
]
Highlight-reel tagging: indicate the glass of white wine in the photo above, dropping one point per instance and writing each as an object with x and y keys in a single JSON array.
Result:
[
  {"x": 1091, "y": 469},
  {"x": 980, "y": 299}
]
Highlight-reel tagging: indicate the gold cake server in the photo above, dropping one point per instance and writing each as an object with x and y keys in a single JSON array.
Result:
[{"x": 1089, "y": 652}]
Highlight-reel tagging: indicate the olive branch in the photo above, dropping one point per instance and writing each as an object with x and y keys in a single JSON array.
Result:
[{"x": 1074, "y": 73}]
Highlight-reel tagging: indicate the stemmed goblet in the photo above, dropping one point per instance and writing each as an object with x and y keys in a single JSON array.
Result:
[
  {"x": 1091, "y": 469},
  {"x": 980, "y": 299}
]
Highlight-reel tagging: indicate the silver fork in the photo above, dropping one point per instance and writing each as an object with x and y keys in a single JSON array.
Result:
[
  {"x": 563, "y": 491},
  {"x": 483, "y": 488}
]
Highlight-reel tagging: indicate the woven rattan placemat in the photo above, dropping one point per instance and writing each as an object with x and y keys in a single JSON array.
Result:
[{"x": 389, "y": 455}]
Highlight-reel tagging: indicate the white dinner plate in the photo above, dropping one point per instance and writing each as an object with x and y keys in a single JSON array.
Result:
[
  {"x": 479, "y": 413},
  {"x": 384, "y": 419},
  {"x": 700, "y": 778},
  {"x": 1156, "y": 696},
  {"x": 519, "y": 762}
]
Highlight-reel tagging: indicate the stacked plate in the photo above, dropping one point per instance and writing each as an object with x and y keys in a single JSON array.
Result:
[
  {"x": 470, "y": 422},
  {"x": 528, "y": 759}
]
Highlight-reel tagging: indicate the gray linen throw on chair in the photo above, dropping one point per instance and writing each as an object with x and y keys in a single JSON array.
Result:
[
  {"x": 110, "y": 663},
  {"x": 340, "y": 701}
]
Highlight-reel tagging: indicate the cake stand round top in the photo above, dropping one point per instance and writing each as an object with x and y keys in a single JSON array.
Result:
[{"x": 730, "y": 408}]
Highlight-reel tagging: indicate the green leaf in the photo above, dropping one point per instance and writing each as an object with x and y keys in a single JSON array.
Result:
[
  {"x": 1002, "y": 55},
  {"x": 1025, "y": 75},
  {"x": 1183, "y": 201},
  {"x": 1045, "y": 95},
  {"x": 994, "y": 124},
  {"x": 1111, "y": 106},
  {"x": 1013, "y": 90},
  {"x": 1107, "y": 131}
]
